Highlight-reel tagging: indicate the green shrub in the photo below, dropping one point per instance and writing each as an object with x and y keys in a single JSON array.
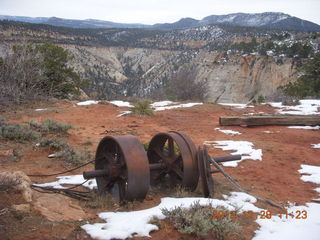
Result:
[
  {"x": 74, "y": 157},
  {"x": 142, "y": 108},
  {"x": 198, "y": 220},
  {"x": 53, "y": 143},
  {"x": 261, "y": 99},
  {"x": 17, "y": 132},
  {"x": 51, "y": 126},
  {"x": 145, "y": 145}
]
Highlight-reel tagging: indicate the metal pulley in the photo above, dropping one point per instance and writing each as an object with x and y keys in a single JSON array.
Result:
[
  {"x": 121, "y": 168},
  {"x": 124, "y": 169}
]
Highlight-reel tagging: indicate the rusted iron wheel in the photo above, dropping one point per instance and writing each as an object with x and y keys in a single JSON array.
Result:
[
  {"x": 126, "y": 164},
  {"x": 206, "y": 179},
  {"x": 173, "y": 154}
]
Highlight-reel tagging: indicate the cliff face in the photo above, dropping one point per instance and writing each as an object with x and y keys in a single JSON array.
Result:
[
  {"x": 145, "y": 72},
  {"x": 142, "y": 72},
  {"x": 143, "y": 63}
]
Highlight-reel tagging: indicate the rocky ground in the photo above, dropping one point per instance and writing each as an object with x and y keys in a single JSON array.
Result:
[{"x": 53, "y": 216}]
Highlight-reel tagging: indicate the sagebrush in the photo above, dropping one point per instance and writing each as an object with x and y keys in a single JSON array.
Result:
[
  {"x": 51, "y": 126},
  {"x": 198, "y": 220},
  {"x": 74, "y": 157},
  {"x": 17, "y": 132},
  {"x": 53, "y": 143}
]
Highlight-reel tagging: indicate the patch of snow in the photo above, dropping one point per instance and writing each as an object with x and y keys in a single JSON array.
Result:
[
  {"x": 268, "y": 132},
  {"x": 243, "y": 148},
  {"x": 312, "y": 173},
  {"x": 122, "y": 225},
  {"x": 236, "y": 105},
  {"x": 40, "y": 109},
  {"x": 286, "y": 227},
  {"x": 306, "y": 107},
  {"x": 123, "y": 113},
  {"x": 280, "y": 228},
  {"x": 315, "y": 145},
  {"x": 162, "y": 104},
  {"x": 86, "y": 103},
  {"x": 120, "y": 103},
  {"x": 184, "y": 105},
  {"x": 270, "y": 53},
  {"x": 230, "y": 132},
  {"x": 73, "y": 179},
  {"x": 305, "y": 127}
]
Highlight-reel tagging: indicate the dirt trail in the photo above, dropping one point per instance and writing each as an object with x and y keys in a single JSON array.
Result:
[{"x": 275, "y": 177}]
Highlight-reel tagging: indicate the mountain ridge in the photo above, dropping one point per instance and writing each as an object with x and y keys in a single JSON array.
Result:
[{"x": 276, "y": 20}]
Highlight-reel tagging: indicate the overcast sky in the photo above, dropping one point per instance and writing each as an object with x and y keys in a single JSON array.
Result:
[{"x": 155, "y": 11}]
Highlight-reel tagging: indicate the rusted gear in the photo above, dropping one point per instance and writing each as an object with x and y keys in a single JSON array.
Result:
[
  {"x": 126, "y": 167},
  {"x": 206, "y": 179},
  {"x": 173, "y": 153}
]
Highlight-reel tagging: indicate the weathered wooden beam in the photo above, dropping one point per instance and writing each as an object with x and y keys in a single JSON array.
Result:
[{"x": 270, "y": 120}]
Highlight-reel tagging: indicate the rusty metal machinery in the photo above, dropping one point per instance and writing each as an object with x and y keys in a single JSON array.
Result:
[
  {"x": 204, "y": 163},
  {"x": 121, "y": 168},
  {"x": 124, "y": 169},
  {"x": 173, "y": 154}
]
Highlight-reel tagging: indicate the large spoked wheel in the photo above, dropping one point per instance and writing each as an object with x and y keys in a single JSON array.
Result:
[
  {"x": 174, "y": 154},
  {"x": 206, "y": 180},
  {"x": 127, "y": 167}
]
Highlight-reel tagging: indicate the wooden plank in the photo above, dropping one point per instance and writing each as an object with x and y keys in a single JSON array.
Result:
[{"x": 270, "y": 120}]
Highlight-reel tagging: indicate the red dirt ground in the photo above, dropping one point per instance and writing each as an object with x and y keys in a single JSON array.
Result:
[{"x": 276, "y": 177}]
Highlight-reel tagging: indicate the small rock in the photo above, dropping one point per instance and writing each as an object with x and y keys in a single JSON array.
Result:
[
  {"x": 6, "y": 153},
  {"x": 133, "y": 125},
  {"x": 58, "y": 208},
  {"x": 21, "y": 207},
  {"x": 149, "y": 198}
]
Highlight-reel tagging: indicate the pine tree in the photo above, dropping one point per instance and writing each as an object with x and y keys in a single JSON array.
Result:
[{"x": 309, "y": 83}]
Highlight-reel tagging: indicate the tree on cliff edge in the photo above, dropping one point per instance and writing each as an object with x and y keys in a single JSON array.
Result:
[
  {"x": 308, "y": 84},
  {"x": 38, "y": 71}
]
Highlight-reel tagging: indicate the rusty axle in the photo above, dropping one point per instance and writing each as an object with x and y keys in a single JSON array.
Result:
[{"x": 157, "y": 166}]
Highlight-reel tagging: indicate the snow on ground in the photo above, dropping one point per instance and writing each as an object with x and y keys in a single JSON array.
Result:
[
  {"x": 315, "y": 145},
  {"x": 236, "y": 105},
  {"x": 162, "y": 104},
  {"x": 268, "y": 132},
  {"x": 120, "y": 103},
  {"x": 311, "y": 174},
  {"x": 86, "y": 103},
  {"x": 156, "y": 106},
  {"x": 73, "y": 179},
  {"x": 183, "y": 105},
  {"x": 305, "y": 127},
  {"x": 282, "y": 227},
  {"x": 243, "y": 148},
  {"x": 123, "y": 113},
  {"x": 122, "y": 225},
  {"x": 229, "y": 132},
  {"x": 306, "y": 107}
]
